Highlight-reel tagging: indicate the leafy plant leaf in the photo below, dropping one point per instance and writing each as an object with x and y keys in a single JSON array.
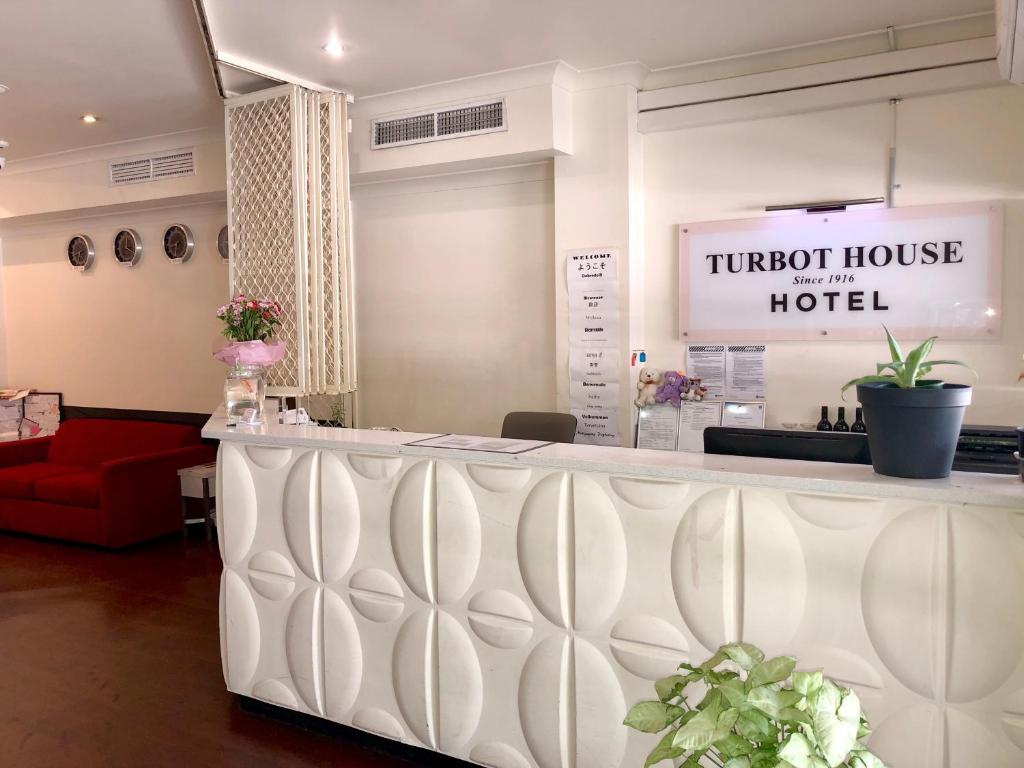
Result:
[
  {"x": 894, "y": 346},
  {"x": 746, "y": 656},
  {"x": 664, "y": 751},
  {"x": 771, "y": 671},
  {"x": 670, "y": 686},
  {"x": 807, "y": 682},
  {"x": 734, "y": 691},
  {"x": 737, "y": 762},
  {"x": 835, "y": 718},
  {"x": 861, "y": 758},
  {"x": 714, "y": 661},
  {"x": 912, "y": 368},
  {"x": 652, "y": 716},
  {"x": 726, "y": 720},
  {"x": 754, "y": 726},
  {"x": 794, "y": 715},
  {"x": 733, "y": 745},
  {"x": 771, "y": 702},
  {"x": 797, "y": 750},
  {"x": 699, "y": 732}
]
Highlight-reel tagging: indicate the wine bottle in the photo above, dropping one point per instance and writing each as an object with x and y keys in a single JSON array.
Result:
[
  {"x": 841, "y": 425},
  {"x": 824, "y": 425},
  {"x": 858, "y": 424}
]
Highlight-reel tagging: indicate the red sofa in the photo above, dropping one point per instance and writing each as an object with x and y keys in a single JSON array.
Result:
[{"x": 99, "y": 481}]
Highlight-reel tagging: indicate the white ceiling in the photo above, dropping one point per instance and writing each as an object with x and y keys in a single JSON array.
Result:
[
  {"x": 141, "y": 66},
  {"x": 397, "y": 44}
]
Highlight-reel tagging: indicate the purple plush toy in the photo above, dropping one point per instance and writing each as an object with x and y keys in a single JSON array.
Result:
[{"x": 672, "y": 388}]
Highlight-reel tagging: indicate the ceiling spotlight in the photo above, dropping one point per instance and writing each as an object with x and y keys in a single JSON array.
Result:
[
  {"x": 89, "y": 119},
  {"x": 4, "y": 88},
  {"x": 334, "y": 48}
]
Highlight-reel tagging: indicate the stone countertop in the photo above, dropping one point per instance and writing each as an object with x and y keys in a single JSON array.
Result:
[{"x": 814, "y": 476}]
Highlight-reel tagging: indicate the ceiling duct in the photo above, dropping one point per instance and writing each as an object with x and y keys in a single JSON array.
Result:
[
  {"x": 164, "y": 165},
  {"x": 445, "y": 123}
]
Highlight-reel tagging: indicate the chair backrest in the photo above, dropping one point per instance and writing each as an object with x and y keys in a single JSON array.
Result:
[{"x": 540, "y": 425}]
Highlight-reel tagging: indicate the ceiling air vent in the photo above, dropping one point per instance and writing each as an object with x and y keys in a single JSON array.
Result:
[
  {"x": 166, "y": 165},
  {"x": 446, "y": 123}
]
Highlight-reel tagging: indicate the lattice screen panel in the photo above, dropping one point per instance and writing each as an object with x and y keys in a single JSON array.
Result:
[{"x": 288, "y": 213}]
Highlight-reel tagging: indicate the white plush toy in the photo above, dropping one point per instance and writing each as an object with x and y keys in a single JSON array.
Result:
[{"x": 647, "y": 386}]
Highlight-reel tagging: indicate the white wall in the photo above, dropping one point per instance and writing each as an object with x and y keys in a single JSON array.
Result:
[
  {"x": 139, "y": 337},
  {"x": 455, "y": 299},
  {"x": 953, "y": 147},
  {"x": 80, "y": 180}
]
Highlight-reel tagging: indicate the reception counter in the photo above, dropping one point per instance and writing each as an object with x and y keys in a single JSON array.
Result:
[{"x": 507, "y": 609}]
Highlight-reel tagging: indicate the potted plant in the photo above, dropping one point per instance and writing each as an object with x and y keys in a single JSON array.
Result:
[
  {"x": 756, "y": 713},
  {"x": 249, "y": 324},
  {"x": 913, "y": 421}
]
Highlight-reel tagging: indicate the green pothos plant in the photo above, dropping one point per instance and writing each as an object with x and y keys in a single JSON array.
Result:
[{"x": 754, "y": 713}]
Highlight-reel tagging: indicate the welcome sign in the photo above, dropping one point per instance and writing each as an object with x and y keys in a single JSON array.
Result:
[{"x": 922, "y": 271}]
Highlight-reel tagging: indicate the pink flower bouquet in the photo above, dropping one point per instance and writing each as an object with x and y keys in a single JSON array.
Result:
[{"x": 249, "y": 324}]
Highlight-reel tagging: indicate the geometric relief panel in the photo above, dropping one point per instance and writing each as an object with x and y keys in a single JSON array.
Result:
[
  {"x": 493, "y": 616},
  {"x": 737, "y": 569},
  {"x": 960, "y": 598}
]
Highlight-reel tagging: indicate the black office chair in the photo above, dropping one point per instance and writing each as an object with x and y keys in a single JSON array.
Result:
[{"x": 539, "y": 425}]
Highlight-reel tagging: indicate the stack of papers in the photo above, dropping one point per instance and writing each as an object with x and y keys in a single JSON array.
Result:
[
  {"x": 10, "y": 416},
  {"x": 43, "y": 410}
]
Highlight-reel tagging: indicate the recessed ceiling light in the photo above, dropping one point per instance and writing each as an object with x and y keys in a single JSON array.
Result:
[
  {"x": 334, "y": 48},
  {"x": 4, "y": 88},
  {"x": 89, "y": 119}
]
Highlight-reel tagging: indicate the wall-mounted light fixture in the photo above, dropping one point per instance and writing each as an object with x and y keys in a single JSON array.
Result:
[{"x": 825, "y": 206}]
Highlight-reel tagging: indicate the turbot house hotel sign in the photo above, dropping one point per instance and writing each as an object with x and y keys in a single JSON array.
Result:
[{"x": 921, "y": 271}]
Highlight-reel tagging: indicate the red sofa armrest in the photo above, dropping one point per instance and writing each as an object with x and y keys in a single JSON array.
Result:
[
  {"x": 141, "y": 495},
  {"x": 24, "y": 451}
]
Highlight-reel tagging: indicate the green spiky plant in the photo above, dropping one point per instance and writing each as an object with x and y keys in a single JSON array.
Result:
[
  {"x": 906, "y": 372},
  {"x": 756, "y": 713}
]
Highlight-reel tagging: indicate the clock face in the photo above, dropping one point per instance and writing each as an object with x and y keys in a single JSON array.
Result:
[
  {"x": 178, "y": 243},
  {"x": 222, "y": 242},
  {"x": 127, "y": 247},
  {"x": 80, "y": 252}
]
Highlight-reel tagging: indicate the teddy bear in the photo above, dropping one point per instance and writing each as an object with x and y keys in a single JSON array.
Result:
[
  {"x": 647, "y": 386},
  {"x": 695, "y": 389},
  {"x": 672, "y": 388}
]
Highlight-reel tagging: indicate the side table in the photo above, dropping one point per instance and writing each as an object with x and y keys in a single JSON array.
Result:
[{"x": 195, "y": 484}]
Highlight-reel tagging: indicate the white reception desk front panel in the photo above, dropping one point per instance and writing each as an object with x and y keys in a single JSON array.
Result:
[{"x": 507, "y": 610}]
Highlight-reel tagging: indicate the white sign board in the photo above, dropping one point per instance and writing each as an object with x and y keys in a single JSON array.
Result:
[
  {"x": 921, "y": 271},
  {"x": 591, "y": 276}
]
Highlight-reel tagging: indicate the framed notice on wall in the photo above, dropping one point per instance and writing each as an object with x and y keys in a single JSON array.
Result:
[{"x": 922, "y": 271}]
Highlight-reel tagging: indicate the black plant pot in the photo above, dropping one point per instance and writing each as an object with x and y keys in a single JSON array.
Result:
[{"x": 913, "y": 432}]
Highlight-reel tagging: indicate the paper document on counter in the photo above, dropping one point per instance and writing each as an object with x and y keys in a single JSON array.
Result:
[
  {"x": 658, "y": 427},
  {"x": 474, "y": 443},
  {"x": 749, "y": 415},
  {"x": 694, "y": 417}
]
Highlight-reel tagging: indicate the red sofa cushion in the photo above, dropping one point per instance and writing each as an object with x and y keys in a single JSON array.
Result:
[
  {"x": 79, "y": 489},
  {"x": 91, "y": 442},
  {"x": 18, "y": 482}
]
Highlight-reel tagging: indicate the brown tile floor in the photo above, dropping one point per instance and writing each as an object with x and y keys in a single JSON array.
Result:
[{"x": 113, "y": 659}]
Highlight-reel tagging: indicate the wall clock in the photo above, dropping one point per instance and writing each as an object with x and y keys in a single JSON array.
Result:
[
  {"x": 127, "y": 247},
  {"x": 80, "y": 252},
  {"x": 178, "y": 243},
  {"x": 222, "y": 243}
]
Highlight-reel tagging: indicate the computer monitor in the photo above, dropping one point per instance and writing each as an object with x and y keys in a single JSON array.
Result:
[{"x": 841, "y": 447}]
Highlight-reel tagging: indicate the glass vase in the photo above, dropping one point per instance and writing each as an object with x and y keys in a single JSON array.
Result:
[{"x": 245, "y": 390}]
